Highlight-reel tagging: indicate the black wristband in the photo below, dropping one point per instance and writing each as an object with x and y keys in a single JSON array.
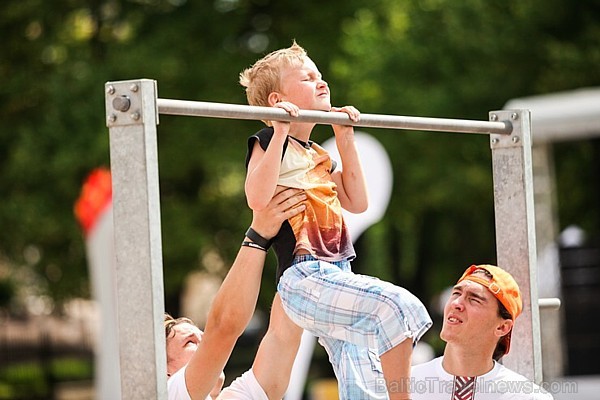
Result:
[
  {"x": 253, "y": 245},
  {"x": 259, "y": 240}
]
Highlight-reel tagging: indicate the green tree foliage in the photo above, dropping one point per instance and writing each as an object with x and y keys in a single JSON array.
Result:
[
  {"x": 415, "y": 57},
  {"x": 58, "y": 55},
  {"x": 461, "y": 60}
]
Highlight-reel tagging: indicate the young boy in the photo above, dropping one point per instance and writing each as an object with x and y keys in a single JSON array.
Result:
[{"x": 349, "y": 313}]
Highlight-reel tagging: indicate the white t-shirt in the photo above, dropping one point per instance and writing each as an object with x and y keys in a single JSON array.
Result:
[
  {"x": 246, "y": 387},
  {"x": 176, "y": 388},
  {"x": 429, "y": 381}
]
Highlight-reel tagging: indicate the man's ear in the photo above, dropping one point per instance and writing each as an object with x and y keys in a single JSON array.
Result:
[
  {"x": 274, "y": 98},
  {"x": 504, "y": 327}
]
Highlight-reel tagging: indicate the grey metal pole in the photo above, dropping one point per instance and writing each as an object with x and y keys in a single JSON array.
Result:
[
  {"x": 132, "y": 118},
  {"x": 238, "y": 111},
  {"x": 515, "y": 235}
]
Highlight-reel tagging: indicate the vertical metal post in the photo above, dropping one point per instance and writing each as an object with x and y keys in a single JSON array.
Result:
[
  {"x": 515, "y": 235},
  {"x": 546, "y": 223},
  {"x": 132, "y": 116}
]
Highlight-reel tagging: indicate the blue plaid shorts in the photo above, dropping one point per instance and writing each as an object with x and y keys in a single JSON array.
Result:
[{"x": 356, "y": 317}]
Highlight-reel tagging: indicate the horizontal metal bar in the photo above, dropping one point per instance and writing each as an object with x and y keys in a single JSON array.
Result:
[
  {"x": 552, "y": 303},
  {"x": 239, "y": 111}
]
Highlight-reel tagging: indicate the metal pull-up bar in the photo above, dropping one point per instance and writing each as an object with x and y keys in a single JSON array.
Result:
[
  {"x": 132, "y": 109},
  {"x": 239, "y": 111}
]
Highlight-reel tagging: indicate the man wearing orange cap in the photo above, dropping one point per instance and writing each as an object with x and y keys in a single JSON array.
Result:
[{"x": 478, "y": 321}]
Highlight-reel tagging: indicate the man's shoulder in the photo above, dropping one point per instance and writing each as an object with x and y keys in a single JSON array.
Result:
[
  {"x": 426, "y": 369},
  {"x": 426, "y": 364},
  {"x": 521, "y": 386},
  {"x": 176, "y": 386},
  {"x": 430, "y": 382}
]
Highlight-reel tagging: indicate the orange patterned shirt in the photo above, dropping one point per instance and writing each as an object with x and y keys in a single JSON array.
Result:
[{"x": 320, "y": 230}]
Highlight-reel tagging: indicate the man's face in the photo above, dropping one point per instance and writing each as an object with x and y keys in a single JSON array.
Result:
[
  {"x": 181, "y": 345},
  {"x": 304, "y": 86},
  {"x": 471, "y": 317}
]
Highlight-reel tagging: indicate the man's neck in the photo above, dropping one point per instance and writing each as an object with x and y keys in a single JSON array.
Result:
[{"x": 461, "y": 361}]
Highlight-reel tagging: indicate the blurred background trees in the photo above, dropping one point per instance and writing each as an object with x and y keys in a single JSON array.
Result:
[{"x": 438, "y": 58}]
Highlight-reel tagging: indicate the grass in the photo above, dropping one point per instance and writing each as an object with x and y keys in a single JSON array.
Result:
[{"x": 31, "y": 380}]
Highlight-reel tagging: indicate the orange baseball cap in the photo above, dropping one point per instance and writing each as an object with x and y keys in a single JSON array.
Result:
[{"x": 503, "y": 286}]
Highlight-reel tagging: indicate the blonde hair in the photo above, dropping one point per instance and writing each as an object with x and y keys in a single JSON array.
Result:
[{"x": 264, "y": 77}]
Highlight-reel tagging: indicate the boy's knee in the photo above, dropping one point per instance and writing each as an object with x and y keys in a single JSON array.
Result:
[
  {"x": 400, "y": 307},
  {"x": 404, "y": 301}
]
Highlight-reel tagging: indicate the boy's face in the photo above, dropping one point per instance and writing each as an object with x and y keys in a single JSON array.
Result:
[{"x": 304, "y": 86}]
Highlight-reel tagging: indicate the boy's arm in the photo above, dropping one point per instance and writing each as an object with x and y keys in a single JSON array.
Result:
[
  {"x": 263, "y": 167},
  {"x": 263, "y": 172},
  {"x": 350, "y": 181}
]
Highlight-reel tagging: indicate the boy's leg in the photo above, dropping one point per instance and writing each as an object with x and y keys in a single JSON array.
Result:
[
  {"x": 357, "y": 369},
  {"x": 360, "y": 371},
  {"x": 277, "y": 352},
  {"x": 335, "y": 303},
  {"x": 396, "y": 369}
]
